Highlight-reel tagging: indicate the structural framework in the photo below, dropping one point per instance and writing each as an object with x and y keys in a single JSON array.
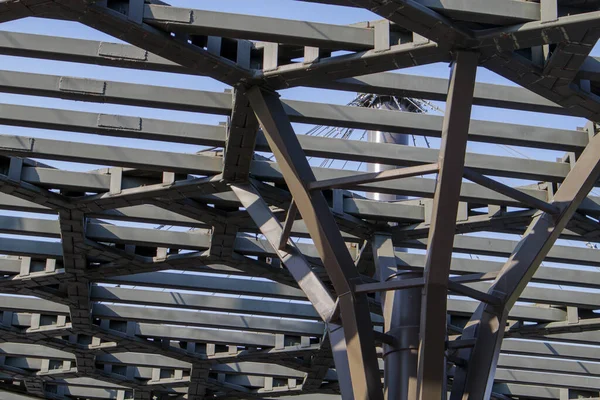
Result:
[{"x": 72, "y": 322}]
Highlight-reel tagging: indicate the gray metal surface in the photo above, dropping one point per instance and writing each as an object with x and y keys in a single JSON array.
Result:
[{"x": 237, "y": 295}]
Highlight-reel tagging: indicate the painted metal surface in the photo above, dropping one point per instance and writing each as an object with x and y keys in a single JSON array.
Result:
[{"x": 95, "y": 307}]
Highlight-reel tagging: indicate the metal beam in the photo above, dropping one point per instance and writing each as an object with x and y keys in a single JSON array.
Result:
[
  {"x": 175, "y": 191},
  {"x": 480, "y": 11},
  {"x": 331, "y": 247},
  {"x": 196, "y": 240},
  {"x": 110, "y": 155},
  {"x": 362, "y": 63},
  {"x": 509, "y": 191},
  {"x": 242, "y": 129},
  {"x": 99, "y": 181},
  {"x": 284, "y": 31},
  {"x": 569, "y": 28},
  {"x": 208, "y": 165},
  {"x": 488, "y": 322},
  {"x": 505, "y": 12},
  {"x": 428, "y": 88},
  {"x": 351, "y": 181},
  {"x": 431, "y": 370},
  {"x": 420, "y": 19},
  {"x": 11, "y": 10},
  {"x": 401, "y": 312},
  {"x": 220, "y": 103},
  {"x": 204, "y": 302},
  {"x": 100, "y": 17},
  {"x": 396, "y": 84},
  {"x": 292, "y": 258}
]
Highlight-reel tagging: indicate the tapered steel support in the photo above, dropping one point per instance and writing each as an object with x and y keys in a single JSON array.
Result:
[
  {"x": 300, "y": 269},
  {"x": 401, "y": 313},
  {"x": 340, "y": 358},
  {"x": 315, "y": 211},
  {"x": 488, "y": 323},
  {"x": 432, "y": 364}
]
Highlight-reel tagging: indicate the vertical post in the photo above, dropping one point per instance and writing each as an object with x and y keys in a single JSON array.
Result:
[
  {"x": 315, "y": 211},
  {"x": 401, "y": 313},
  {"x": 488, "y": 323},
  {"x": 385, "y": 103},
  {"x": 340, "y": 359},
  {"x": 432, "y": 346},
  {"x": 401, "y": 310}
]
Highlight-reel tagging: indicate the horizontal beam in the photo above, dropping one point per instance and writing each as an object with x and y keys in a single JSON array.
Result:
[
  {"x": 403, "y": 55},
  {"x": 504, "y": 247},
  {"x": 274, "y": 290},
  {"x": 207, "y": 283},
  {"x": 498, "y": 13},
  {"x": 196, "y": 240},
  {"x": 110, "y": 233},
  {"x": 548, "y": 275},
  {"x": 540, "y": 378},
  {"x": 204, "y": 164},
  {"x": 257, "y": 324},
  {"x": 382, "y": 176},
  {"x": 550, "y": 349},
  {"x": 403, "y": 212},
  {"x": 509, "y": 191},
  {"x": 205, "y": 335},
  {"x": 515, "y": 354},
  {"x": 203, "y": 302},
  {"x": 152, "y": 129},
  {"x": 108, "y": 155},
  {"x": 562, "y": 297},
  {"x": 127, "y": 56},
  {"x": 225, "y": 321},
  {"x": 535, "y": 33},
  {"x": 527, "y": 391},
  {"x": 298, "y": 111},
  {"x": 301, "y": 33},
  {"x": 100, "y": 17},
  {"x": 467, "y": 291},
  {"x": 389, "y": 285},
  {"x": 429, "y": 88}
]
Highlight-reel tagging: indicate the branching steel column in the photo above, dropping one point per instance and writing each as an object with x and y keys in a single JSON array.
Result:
[
  {"x": 488, "y": 323},
  {"x": 328, "y": 241},
  {"x": 431, "y": 371}
]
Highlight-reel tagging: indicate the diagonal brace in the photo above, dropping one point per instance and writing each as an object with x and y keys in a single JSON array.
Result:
[
  {"x": 320, "y": 222},
  {"x": 488, "y": 323}
]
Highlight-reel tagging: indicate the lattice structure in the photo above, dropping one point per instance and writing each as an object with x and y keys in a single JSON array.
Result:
[{"x": 81, "y": 314}]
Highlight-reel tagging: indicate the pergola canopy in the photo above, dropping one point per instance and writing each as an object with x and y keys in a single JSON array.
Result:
[{"x": 269, "y": 282}]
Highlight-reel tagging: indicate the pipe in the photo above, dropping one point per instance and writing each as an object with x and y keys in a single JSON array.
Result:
[{"x": 401, "y": 309}]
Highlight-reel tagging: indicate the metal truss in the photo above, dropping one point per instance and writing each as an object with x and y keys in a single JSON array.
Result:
[{"x": 99, "y": 304}]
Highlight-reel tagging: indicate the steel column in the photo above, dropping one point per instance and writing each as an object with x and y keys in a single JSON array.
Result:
[
  {"x": 401, "y": 311},
  {"x": 432, "y": 366},
  {"x": 242, "y": 129},
  {"x": 488, "y": 323},
  {"x": 328, "y": 241}
]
